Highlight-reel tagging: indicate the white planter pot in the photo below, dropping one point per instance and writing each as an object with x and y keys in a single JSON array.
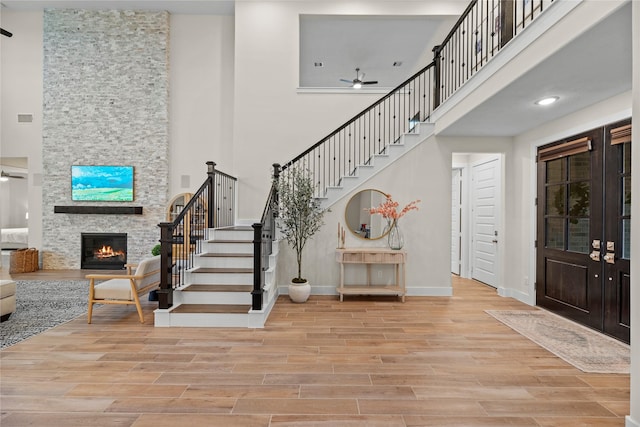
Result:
[{"x": 299, "y": 292}]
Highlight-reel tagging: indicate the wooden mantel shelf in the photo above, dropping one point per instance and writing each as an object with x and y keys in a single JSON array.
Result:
[
  {"x": 103, "y": 210},
  {"x": 369, "y": 256}
]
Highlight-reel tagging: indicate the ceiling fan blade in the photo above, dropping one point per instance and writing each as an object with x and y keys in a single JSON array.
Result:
[
  {"x": 3, "y": 174},
  {"x": 371, "y": 82},
  {"x": 346, "y": 81}
]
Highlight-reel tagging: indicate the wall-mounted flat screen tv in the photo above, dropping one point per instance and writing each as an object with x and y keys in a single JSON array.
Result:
[{"x": 102, "y": 183}]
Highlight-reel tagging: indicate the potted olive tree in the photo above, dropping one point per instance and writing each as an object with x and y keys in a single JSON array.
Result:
[{"x": 300, "y": 217}]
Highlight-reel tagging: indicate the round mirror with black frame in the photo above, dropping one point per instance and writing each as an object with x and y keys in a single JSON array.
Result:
[{"x": 358, "y": 219}]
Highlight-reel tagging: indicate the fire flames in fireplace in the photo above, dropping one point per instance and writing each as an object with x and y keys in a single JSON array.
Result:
[{"x": 107, "y": 252}]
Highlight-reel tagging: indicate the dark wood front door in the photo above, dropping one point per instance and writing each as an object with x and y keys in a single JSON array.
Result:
[{"x": 584, "y": 207}]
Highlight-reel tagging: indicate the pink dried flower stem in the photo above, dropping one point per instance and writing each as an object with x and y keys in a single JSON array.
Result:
[{"x": 389, "y": 210}]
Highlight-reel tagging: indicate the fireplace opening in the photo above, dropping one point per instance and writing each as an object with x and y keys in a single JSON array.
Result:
[{"x": 104, "y": 251}]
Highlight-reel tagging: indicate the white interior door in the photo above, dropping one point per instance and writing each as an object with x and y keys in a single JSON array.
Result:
[
  {"x": 485, "y": 181},
  {"x": 456, "y": 220}
]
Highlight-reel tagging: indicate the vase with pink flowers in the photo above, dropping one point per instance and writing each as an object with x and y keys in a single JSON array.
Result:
[{"x": 389, "y": 211}]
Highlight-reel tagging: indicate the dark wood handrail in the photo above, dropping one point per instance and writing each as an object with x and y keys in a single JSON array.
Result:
[{"x": 362, "y": 113}]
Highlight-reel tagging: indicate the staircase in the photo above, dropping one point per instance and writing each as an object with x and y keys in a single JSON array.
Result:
[
  {"x": 377, "y": 163},
  {"x": 217, "y": 290},
  {"x": 217, "y": 287}
]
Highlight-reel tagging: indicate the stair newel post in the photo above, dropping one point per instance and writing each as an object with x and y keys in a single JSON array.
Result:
[
  {"x": 165, "y": 293},
  {"x": 436, "y": 76},
  {"x": 276, "y": 178},
  {"x": 211, "y": 172},
  {"x": 256, "y": 294}
]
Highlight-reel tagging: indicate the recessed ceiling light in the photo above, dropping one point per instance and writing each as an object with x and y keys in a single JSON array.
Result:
[
  {"x": 397, "y": 63},
  {"x": 547, "y": 101},
  {"x": 318, "y": 64}
]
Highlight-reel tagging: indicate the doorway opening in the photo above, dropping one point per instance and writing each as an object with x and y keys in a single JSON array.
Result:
[{"x": 476, "y": 216}]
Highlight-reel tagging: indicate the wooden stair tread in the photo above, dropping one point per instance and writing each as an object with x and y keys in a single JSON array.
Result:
[
  {"x": 222, "y": 254},
  {"x": 212, "y": 308},
  {"x": 218, "y": 288},
  {"x": 223, "y": 270},
  {"x": 237, "y": 228}
]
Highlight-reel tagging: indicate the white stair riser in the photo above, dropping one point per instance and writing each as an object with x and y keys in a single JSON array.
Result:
[
  {"x": 229, "y": 248},
  {"x": 222, "y": 234},
  {"x": 224, "y": 262},
  {"x": 222, "y": 278},
  {"x": 218, "y": 320},
  {"x": 193, "y": 297}
]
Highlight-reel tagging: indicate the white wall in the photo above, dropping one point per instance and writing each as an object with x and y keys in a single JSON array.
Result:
[
  {"x": 272, "y": 121},
  {"x": 424, "y": 173},
  {"x": 633, "y": 420},
  {"x": 21, "y": 93},
  {"x": 201, "y": 100}
]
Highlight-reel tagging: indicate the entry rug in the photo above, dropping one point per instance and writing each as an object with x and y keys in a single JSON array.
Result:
[
  {"x": 41, "y": 305},
  {"x": 584, "y": 348}
]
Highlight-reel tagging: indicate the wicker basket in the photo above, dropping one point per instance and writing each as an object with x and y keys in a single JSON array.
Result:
[{"x": 23, "y": 261}]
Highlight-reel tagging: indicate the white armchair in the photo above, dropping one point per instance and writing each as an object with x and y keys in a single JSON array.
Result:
[{"x": 125, "y": 288}]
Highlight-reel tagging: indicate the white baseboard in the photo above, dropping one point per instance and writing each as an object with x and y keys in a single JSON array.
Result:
[
  {"x": 628, "y": 422},
  {"x": 331, "y": 290},
  {"x": 519, "y": 295},
  {"x": 430, "y": 292}
]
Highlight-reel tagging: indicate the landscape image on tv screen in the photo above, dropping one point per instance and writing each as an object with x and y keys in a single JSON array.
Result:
[{"x": 102, "y": 183}]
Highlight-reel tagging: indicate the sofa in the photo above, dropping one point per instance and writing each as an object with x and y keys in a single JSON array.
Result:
[{"x": 7, "y": 299}]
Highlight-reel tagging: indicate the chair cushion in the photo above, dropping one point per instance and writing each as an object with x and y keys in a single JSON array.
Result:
[
  {"x": 114, "y": 289},
  {"x": 146, "y": 266}
]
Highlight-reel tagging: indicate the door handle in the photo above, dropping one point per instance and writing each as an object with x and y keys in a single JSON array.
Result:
[
  {"x": 595, "y": 255},
  {"x": 610, "y": 257}
]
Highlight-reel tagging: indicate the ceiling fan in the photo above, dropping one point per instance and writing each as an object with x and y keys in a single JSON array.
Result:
[
  {"x": 359, "y": 80},
  {"x": 5, "y": 176}
]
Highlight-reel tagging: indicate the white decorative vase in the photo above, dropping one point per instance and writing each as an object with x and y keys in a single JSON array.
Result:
[{"x": 299, "y": 292}]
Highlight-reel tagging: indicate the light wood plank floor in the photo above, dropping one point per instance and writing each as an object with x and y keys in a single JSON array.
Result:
[{"x": 369, "y": 361}]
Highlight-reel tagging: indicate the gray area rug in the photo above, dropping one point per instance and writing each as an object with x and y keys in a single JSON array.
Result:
[
  {"x": 584, "y": 348},
  {"x": 41, "y": 305}
]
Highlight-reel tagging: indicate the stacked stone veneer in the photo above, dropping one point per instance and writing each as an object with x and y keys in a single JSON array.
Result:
[{"x": 106, "y": 102}]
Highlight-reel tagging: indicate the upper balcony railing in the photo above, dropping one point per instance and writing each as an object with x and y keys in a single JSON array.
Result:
[{"x": 484, "y": 28}]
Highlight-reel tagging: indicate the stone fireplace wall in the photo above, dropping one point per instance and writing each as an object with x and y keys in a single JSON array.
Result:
[{"x": 106, "y": 102}]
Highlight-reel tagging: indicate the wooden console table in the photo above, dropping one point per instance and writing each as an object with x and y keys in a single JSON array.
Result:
[{"x": 371, "y": 256}]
